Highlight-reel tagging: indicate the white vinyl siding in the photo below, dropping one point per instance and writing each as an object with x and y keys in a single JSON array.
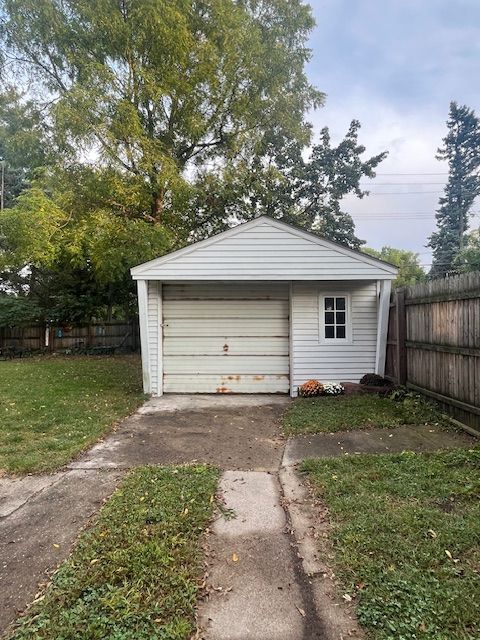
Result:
[
  {"x": 313, "y": 357},
  {"x": 226, "y": 338},
  {"x": 153, "y": 332},
  {"x": 242, "y": 312},
  {"x": 264, "y": 250}
]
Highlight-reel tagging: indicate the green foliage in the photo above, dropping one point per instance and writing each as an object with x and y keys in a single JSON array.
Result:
[
  {"x": 409, "y": 269},
  {"x": 462, "y": 151},
  {"x": 157, "y": 87},
  {"x": 18, "y": 310},
  {"x": 468, "y": 259},
  {"x": 280, "y": 183},
  {"x": 52, "y": 408},
  {"x": 112, "y": 245},
  {"x": 406, "y": 532},
  {"x": 362, "y": 411},
  {"x": 164, "y": 122},
  {"x": 31, "y": 231},
  {"x": 139, "y": 98},
  {"x": 331, "y": 174},
  {"x": 78, "y": 243},
  {"x": 22, "y": 142},
  {"x": 135, "y": 573}
]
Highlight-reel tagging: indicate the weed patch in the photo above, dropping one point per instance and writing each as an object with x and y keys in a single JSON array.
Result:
[
  {"x": 135, "y": 573},
  {"x": 406, "y": 535}
]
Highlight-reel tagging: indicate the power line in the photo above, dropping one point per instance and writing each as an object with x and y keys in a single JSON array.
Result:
[
  {"x": 396, "y": 213},
  {"x": 404, "y": 184},
  {"x": 401, "y": 193},
  {"x": 412, "y": 174},
  {"x": 398, "y": 216},
  {"x": 367, "y": 217}
]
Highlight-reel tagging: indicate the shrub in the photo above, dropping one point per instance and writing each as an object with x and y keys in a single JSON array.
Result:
[{"x": 375, "y": 380}]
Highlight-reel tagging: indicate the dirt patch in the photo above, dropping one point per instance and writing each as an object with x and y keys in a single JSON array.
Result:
[{"x": 231, "y": 437}]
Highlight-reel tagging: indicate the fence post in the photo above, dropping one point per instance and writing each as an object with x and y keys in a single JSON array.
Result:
[
  {"x": 401, "y": 336},
  {"x": 90, "y": 335}
]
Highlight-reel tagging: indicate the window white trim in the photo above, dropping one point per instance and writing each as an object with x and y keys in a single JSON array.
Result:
[{"x": 321, "y": 318}]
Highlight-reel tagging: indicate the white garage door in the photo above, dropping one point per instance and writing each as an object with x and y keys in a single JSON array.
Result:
[{"x": 226, "y": 338}]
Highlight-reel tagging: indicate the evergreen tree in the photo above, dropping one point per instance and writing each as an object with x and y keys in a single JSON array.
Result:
[{"x": 461, "y": 150}]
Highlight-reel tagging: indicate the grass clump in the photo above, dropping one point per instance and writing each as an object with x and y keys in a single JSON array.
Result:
[
  {"x": 52, "y": 408},
  {"x": 363, "y": 411},
  {"x": 135, "y": 573},
  {"x": 406, "y": 537}
]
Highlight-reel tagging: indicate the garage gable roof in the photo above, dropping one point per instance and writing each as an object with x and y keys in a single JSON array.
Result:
[{"x": 264, "y": 249}]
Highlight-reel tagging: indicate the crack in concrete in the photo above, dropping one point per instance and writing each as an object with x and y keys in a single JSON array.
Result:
[{"x": 313, "y": 627}]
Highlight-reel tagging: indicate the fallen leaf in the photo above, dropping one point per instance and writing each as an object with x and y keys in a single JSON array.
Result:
[
  {"x": 432, "y": 533},
  {"x": 448, "y": 554},
  {"x": 301, "y": 611},
  {"x": 94, "y": 561},
  {"x": 57, "y": 546},
  {"x": 234, "y": 557},
  {"x": 347, "y": 597}
]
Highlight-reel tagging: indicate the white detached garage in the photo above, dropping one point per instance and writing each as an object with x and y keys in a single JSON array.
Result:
[{"x": 261, "y": 308}]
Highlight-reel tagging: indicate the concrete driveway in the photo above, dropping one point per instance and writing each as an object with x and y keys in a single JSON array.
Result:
[
  {"x": 266, "y": 579},
  {"x": 42, "y": 515},
  {"x": 231, "y": 432}
]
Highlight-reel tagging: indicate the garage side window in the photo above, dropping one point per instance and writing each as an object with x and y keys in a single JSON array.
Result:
[{"x": 335, "y": 318}]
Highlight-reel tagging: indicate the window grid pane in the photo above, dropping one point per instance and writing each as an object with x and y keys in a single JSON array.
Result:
[{"x": 335, "y": 317}]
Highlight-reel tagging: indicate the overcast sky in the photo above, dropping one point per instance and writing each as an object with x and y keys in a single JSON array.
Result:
[{"x": 395, "y": 65}]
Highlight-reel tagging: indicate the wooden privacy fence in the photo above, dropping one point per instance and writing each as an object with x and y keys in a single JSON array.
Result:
[
  {"x": 95, "y": 337},
  {"x": 433, "y": 343}
]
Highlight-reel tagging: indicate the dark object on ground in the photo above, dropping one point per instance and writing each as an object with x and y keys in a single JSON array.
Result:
[
  {"x": 352, "y": 388},
  {"x": 373, "y": 379}
]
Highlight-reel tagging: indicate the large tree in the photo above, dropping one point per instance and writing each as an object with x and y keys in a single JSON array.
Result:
[
  {"x": 157, "y": 87},
  {"x": 167, "y": 120},
  {"x": 139, "y": 96},
  {"x": 286, "y": 183},
  {"x": 461, "y": 149}
]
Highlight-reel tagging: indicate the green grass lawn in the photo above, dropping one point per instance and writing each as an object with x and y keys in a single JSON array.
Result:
[
  {"x": 52, "y": 408},
  {"x": 366, "y": 411},
  {"x": 406, "y": 538},
  {"x": 135, "y": 573}
]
